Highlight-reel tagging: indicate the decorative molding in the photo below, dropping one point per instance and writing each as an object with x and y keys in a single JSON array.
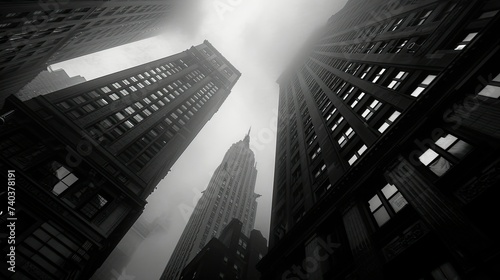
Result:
[{"x": 406, "y": 239}]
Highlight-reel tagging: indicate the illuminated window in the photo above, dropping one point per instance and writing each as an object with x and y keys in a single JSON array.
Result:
[
  {"x": 466, "y": 41},
  {"x": 357, "y": 154},
  {"x": 378, "y": 75},
  {"x": 389, "y": 121},
  {"x": 449, "y": 150},
  {"x": 423, "y": 85},
  {"x": 371, "y": 109},
  {"x": 386, "y": 203},
  {"x": 396, "y": 81},
  {"x": 347, "y": 134},
  {"x": 490, "y": 91},
  {"x": 358, "y": 98}
]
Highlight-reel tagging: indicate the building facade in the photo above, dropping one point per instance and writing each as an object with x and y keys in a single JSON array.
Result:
[
  {"x": 231, "y": 256},
  {"x": 387, "y": 150},
  {"x": 47, "y": 82},
  {"x": 85, "y": 158},
  {"x": 34, "y": 34},
  {"x": 230, "y": 194}
]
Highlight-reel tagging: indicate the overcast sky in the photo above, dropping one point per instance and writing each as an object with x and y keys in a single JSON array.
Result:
[{"x": 259, "y": 38}]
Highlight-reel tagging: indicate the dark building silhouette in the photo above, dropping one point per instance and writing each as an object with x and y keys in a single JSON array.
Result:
[
  {"x": 47, "y": 82},
  {"x": 229, "y": 195},
  {"x": 86, "y": 157},
  {"x": 387, "y": 161},
  {"x": 231, "y": 256},
  {"x": 36, "y": 33}
]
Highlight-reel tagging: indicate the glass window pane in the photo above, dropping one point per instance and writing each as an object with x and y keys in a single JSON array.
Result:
[
  {"x": 428, "y": 157},
  {"x": 389, "y": 190},
  {"x": 497, "y": 78},
  {"x": 470, "y": 37},
  {"x": 374, "y": 203},
  {"x": 383, "y": 127},
  {"x": 490, "y": 91},
  {"x": 429, "y": 79},
  {"x": 61, "y": 172},
  {"x": 70, "y": 179},
  {"x": 59, "y": 188},
  {"x": 417, "y": 91},
  {"x": 381, "y": 216},
  {"x": 394, "y": 116},
  {"x": 445, "y": 142},
  {"x": 440, "y": 166},
  {"x": 460, "y": 149},
  {"x": 398, "y": 202}
]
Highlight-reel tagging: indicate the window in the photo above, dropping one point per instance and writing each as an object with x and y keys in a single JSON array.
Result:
[
  {"x": 337, "y": 122},
  {"x": 116, "y": 85},
  {"x": 423, "y": 85},
  {"x": 101, "y": 102},
  {"x": 65, "y": 177},
  {"x": 315, "y": 152},
  {"x": 371, "y": 109},
  {"x": 389, "y": 121},
  {"x": 79, "y": 99},
  {"x": 421, "y": 17},
  {"x": 92, "y": 207},
  {"x": 396, "y": 81},
  {"x": 378, "y": 75},
  {"x": 114, "y": 97},
  {"x": 490, "y": 91},
  {"x": 395, "y": 26},
  {"x": 465, "y": 41},
  {"x": 88, "y": 108},
  {"x": 448, "y": 150},
  {"x": 345, "y": 136},
  {"x": 358, "y": 98},
  {"x": 105, "y": 89},
  {"x": 386, "y": 203},
  {"x": 357, "y": 154},
  {"x": 365, "y": 72},
  {"x": 319, "y": 170},
  {"x": 124, "y": 92}
]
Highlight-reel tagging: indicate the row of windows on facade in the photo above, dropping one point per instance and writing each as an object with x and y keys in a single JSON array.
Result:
[
  {"x": 396, "y": 45},
  {"x": 138, "y": 154},
  {"x": 88, "y": 102},
  {"x": 438, "y": 158},
  {"x": 348, "y": 133},
  {"x": 490, "y": 91},
  {"x": 410, "y": 19}
]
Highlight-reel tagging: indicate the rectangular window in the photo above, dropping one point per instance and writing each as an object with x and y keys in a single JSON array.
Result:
[
  {"x": 389, "y": 121},
  {"x": 465, "y": 41},
  {"x": 490, "y": 91},
  {"x": 386, "y": 204},
  {"x": 357, "y": 154},
  {"x": 378, "y": 75},
  {"x": 371, "y": 109},
  {"x": 397, "y": 80},
  {"x": 423, "y": 85},
  {"x": 357, "y": 100},
  {"x": 94, "y": 205},
  {"x": 448, "y": 151},
  {"x": 105, "y": 89},
  {"x": 347, "y": 134}
]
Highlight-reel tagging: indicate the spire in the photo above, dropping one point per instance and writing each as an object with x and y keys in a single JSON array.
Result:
[{"x": 247, "y": 137}]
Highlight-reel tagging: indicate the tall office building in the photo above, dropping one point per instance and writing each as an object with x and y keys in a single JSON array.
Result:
[
  {"x": 231, "y": 256},
  {"x": 35, "y": 33},
  {"x": 230, "y": 194},
  {"x": 85, "y": 158},
  {"x": 387, "y": 161},
  {"x": 47, "y": 82}
]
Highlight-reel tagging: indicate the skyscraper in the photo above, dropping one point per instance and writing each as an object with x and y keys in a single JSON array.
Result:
[
  {"x": 35, "y": 33},
  {"x": 46, "y": 82},
  {"x": 85, "y": 158},
  {"x": 387, "y": 151},
  {"x": 230, "y": 194},
  {"x": 231, "y": 256}
]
